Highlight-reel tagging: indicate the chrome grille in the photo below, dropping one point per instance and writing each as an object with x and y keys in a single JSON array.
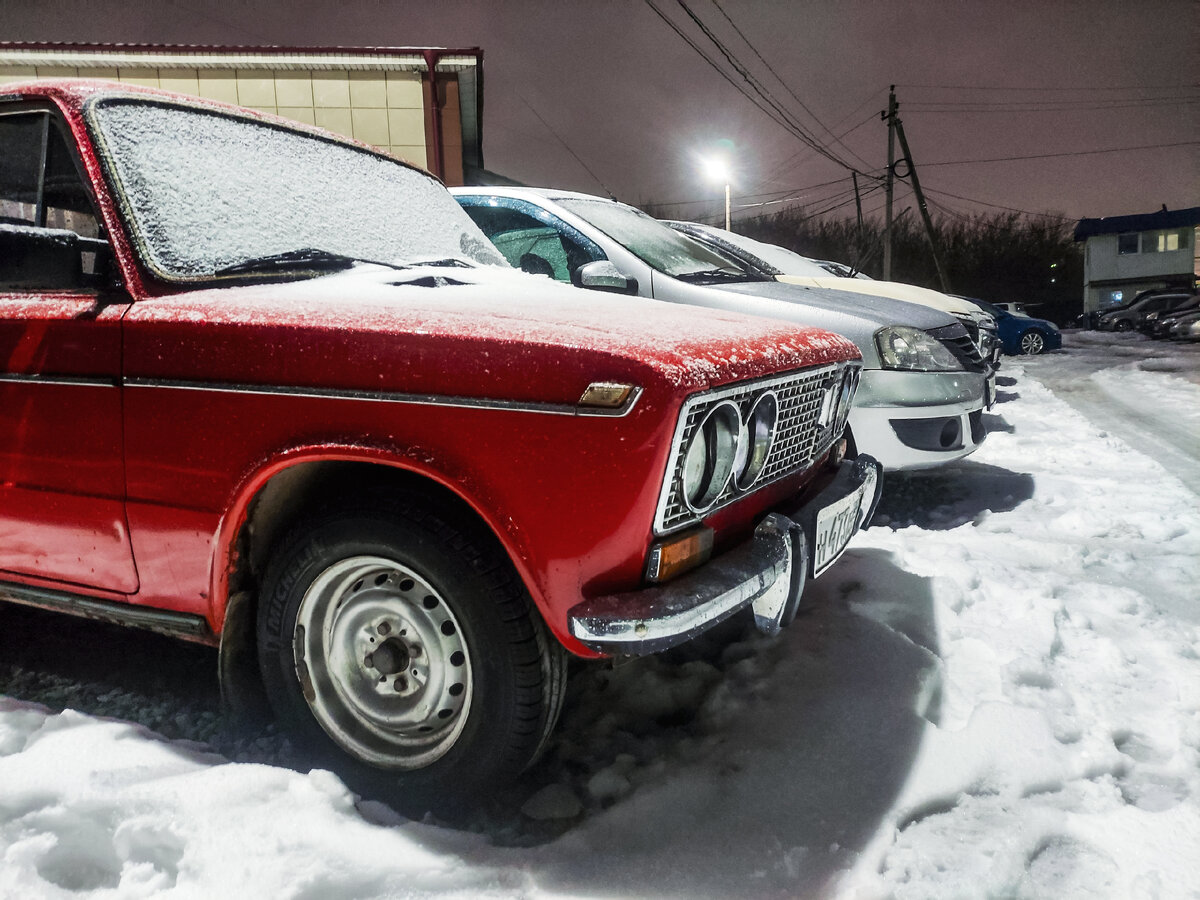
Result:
[{"x": 799, "y": 438}]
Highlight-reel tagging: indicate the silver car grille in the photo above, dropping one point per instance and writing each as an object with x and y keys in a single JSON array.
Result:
[
  {"x": 958, "y": 341},
  {"x": 799, "y": 436}
]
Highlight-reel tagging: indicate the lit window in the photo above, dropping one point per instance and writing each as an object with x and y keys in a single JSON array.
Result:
[{"x": 1127, "y": 243}]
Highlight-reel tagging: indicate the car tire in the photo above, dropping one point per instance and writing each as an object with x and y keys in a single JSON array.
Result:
[
  {"x": 400, "y": 648},
  {"x": 1032, "y": 343},
  {"x": 1122, "y": 325}
]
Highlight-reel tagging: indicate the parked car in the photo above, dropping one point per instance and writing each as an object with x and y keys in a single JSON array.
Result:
[
  {"x": 396, "y": 495},
  {"x": 1023, "y": 335},
  {"x": 1158, "y": 323},
  {"x": 789, "y": 266},
  {"x": 1145, "y": 318},
  {"x": 1185, "y": 328},
  {"x": 1125, "y": 318},
  {"x": 924, "y": 383},
  {"x": 1016, "y": 309}
]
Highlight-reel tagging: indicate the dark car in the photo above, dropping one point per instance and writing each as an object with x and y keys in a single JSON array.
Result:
[
  {"x": 1125, "y": 318},
  {"x": 1158, "y": 323},
  {"x": 1023, "y": 335}
]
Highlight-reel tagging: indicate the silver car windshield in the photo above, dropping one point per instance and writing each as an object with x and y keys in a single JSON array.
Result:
[
  {"x": 650, "y": 240},
  {"x": 205, "y": 191}
]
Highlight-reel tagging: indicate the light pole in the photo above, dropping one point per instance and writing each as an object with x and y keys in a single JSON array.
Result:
[{"x": 718, "y": 170}]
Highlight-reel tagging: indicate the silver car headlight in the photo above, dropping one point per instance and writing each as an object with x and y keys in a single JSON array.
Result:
[
  {"x": 902, "y": 347},
  {"x": 710, "y": 456}
]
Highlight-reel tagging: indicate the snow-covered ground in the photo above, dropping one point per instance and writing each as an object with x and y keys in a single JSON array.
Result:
[{"x": 997, "y": 694}]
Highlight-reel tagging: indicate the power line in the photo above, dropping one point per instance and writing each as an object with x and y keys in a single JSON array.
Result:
[
  {"x": 566, "y": 146},
  {"x": 786, "y": 87},
  {"x": 1001, "y": 206},
  {"x": 923, "y": 107},
  {"x": 1081, "y": 89},
  {"x": 790, "y": 190},
  {"x": 760, "y": 89},
  {"x": 963, "y": 162},
  {"x": 765, "y": 104}
]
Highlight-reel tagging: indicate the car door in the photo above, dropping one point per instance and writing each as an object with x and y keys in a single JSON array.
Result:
[{"x": 62, "y": 515}]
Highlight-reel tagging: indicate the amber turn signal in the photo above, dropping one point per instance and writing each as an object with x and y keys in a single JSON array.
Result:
[
  {"x": 675, "y": 555},
  {"x": 605, "y": 394}
]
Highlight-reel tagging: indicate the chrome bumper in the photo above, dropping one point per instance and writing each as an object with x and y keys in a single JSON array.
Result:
[{"x": 768, "y": 573}]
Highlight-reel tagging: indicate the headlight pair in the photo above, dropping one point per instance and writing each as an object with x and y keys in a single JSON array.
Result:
[
  {"x": 902, "y": 347},
  {"x": 727, "y": 446}
]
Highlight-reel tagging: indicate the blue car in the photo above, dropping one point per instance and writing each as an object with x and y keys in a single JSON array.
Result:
[{"x": 1023, "y": 335}]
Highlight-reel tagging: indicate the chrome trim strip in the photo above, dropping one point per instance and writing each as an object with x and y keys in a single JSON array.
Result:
[
  {"x": 561, "y": 409},
  {"x": 77, "y": 380},
  {"x": 173, "y": 624}
]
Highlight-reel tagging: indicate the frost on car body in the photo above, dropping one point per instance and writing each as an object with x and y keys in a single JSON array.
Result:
[{"x": 257, "y": 390}]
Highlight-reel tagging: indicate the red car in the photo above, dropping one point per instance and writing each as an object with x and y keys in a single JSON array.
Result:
[{"x": 267, "y": 389}]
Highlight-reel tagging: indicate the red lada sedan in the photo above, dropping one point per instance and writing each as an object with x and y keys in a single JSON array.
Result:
[{"x": 270, "y": 390}]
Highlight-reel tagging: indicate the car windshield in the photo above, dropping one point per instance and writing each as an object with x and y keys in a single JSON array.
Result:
[
  {"x": 786, "y": 261},
  {"x": 657, "y": 245},
  {"x": 207, "y": 191}
]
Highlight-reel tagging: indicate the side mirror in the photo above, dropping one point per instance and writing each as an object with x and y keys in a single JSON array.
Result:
[
  {"x": 602, "y": 275},
  {"x": 33, "y": 258}
]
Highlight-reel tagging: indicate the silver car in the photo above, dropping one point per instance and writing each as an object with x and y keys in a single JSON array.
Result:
[{"x": 921, "y": 399}]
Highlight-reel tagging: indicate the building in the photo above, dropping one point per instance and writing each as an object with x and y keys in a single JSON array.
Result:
[
  {"x": 422, "y": 105},
  {"x": 1127, "y": 254}
]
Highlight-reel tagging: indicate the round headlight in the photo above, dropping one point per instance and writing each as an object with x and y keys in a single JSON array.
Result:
[
  {"x": 758, "y": 433},
  {"x": 709, "y": 459}
]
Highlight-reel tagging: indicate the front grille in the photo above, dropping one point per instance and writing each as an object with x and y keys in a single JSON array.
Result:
[
  {"x": 799, "y": 437},
  {"x": 958, "y": 341}
]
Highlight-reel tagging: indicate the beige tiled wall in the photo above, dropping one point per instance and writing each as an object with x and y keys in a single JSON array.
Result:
[{"x": 385, "y": 109}]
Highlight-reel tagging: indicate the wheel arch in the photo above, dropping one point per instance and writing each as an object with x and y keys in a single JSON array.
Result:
[{"x": 270, "y": 500}]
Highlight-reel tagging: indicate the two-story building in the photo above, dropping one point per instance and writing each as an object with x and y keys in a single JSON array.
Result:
[{"x": 1127, "y": 254}]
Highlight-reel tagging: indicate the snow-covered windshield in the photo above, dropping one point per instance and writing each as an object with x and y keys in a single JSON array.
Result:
[
  {"x": 650, "y": 240},
  {"x": 206, "y": 190},
  {"x": 786, "y": 261}
]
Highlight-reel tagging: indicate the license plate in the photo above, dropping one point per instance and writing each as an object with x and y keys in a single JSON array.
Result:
[
  {"x": 837, "y": 522},
  {"x": 989, "y": 390}
]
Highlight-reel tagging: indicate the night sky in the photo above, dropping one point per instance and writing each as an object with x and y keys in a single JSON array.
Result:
[{"x": 637, "y": 107}]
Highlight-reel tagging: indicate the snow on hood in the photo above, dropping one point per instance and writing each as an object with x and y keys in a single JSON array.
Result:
[{"x": 497, "y": 310}]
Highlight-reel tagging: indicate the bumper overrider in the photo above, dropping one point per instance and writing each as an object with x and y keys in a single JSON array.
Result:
[{"x": 767, "y": 572}]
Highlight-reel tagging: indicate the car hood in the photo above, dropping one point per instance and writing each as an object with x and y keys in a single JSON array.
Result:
[
  {"x": 896, "y": 290},
  {"x": 857, "y": 316},
  {"x": 478, "y": 331}
]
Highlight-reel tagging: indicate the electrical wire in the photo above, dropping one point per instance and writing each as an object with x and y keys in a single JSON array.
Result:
[
  {"x": 566, "y": 146},
  {"x": 963, "y": 162}
]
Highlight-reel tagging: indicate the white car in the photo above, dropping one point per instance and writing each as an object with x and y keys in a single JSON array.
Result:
[
  {"x": 924, "y": 383},
  {"x": 792, "y": 268}
]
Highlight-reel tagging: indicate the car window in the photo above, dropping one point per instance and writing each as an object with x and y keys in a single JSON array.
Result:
[
  {"x": 541, "y": 244},
  {"x": 650, "y": 240},
  {"x": 41, "y": 189}
]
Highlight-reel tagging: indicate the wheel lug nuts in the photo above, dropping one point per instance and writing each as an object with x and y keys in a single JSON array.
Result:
[
  {"x": 401, "y": 684},
  {"x": 414, "y": 650},
  {"x": 384, "y": 628},
  {"x": 369, "y": 661}
]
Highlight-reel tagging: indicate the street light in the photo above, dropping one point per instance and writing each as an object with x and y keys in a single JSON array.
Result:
[{"x": 718, "y": 170}]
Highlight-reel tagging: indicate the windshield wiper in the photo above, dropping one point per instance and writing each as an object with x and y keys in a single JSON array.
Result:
[
  {"x": 305, "y": 259},
  {"x": 726, "y": 274}
]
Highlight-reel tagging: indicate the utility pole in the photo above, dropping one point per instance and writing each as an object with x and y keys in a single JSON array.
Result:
[
  {"x": 890, "y": 116},
  {"x": 857, "y": 203},
  {"x": 916, "y": 182}
]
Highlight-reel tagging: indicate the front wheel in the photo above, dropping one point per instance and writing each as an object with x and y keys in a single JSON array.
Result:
[
  {"x": 400, "y": 645},
  {"x": 1122, "y": 325},
  {"x": 1032, "y": 343}
]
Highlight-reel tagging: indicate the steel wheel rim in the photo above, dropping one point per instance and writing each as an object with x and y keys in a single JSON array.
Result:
[
  {"x": 383, "y": 663},
  {"x": 1031, "y": 343}
]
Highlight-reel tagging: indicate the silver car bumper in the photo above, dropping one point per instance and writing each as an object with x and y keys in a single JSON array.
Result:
[
  {"x": 768, "y": 572},
  {"x": 914, "y": 420}
]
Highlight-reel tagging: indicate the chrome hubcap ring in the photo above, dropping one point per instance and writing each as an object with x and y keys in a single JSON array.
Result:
[{"x": 383, "y": 663}]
